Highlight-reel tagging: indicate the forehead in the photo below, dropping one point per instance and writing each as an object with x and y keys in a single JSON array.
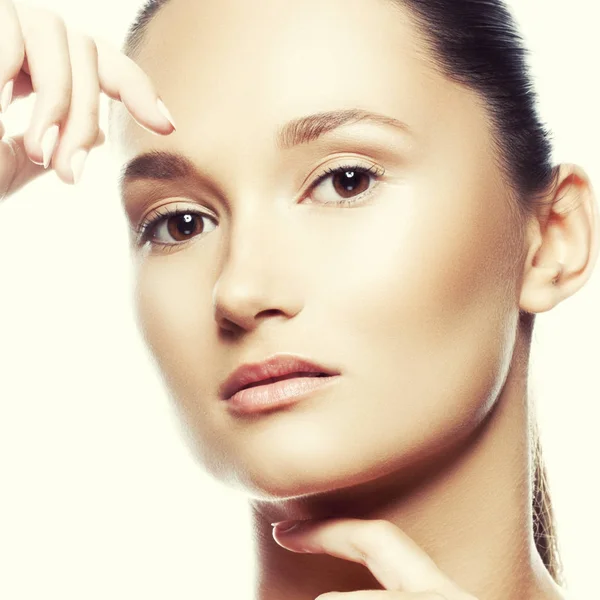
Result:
[
  {"x": 253, "y": 28},
  {"x": 235, "y": 70}
]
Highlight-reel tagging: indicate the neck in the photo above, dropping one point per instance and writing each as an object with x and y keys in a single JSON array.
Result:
[{"x": 473, "y": 517}]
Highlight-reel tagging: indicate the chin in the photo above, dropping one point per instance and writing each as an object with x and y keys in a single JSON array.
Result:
[
  {"x": 265, "y": 485},
  {"x": 295, "y": 470},
  {"x": 279, "y": 471}
]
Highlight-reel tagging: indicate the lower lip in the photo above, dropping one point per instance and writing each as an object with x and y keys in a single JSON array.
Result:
[{"x": 262, "y": 398}]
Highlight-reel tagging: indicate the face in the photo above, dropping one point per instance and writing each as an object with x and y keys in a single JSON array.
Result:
[{"x": 398, "y": 270}]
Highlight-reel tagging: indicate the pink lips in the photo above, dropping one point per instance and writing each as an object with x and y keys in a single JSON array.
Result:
[{"x": 277, "y": 382}]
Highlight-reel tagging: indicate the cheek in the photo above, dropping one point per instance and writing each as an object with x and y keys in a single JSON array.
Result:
[
  {"x": 419, "y": 309},
  {"x": 172, "y": 308}
]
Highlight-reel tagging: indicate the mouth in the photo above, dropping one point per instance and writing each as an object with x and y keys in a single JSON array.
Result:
[
  {"x": 283, "y": 378},
  {"x": 275, "y": 374},
  {"x": 274, "y": 393}
]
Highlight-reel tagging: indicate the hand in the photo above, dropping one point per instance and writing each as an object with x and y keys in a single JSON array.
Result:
[
  {"x": 393, "y": 558},
  {"x": 67, "y": 70}
]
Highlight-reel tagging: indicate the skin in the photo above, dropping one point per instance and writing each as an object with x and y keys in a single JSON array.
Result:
[
  {"x": 414, "y": 295},
  {"x": 420, "y": 449},
  {"x": 385, "y": 290},
  {"x": 67, "y": 70}
]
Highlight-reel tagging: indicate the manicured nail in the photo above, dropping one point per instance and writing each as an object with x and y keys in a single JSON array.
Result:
[
  {"x": 165, "y": 112},
  {"x": 285, "y": 526},
  {"x": 49, "y": 144},
  {"x": 77, "y": 164},
  {"x": 6, "y": 96}
]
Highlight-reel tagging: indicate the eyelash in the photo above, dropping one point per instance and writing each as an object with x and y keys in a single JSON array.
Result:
[
  {"x": 144, "y": 231},
  {"x": 376, "y": 172}
]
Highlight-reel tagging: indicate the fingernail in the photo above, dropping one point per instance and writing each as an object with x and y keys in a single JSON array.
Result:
[
  {"x": 77, "y": 164},
  {"x": 285, "y": 526},
  {"x": 165, "y": 112},
  {"x": 49, "y": 144},
  {"x": 6, "y": 96}
]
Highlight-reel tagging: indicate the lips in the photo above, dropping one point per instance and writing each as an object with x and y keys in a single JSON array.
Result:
[
  {"x": 276, "y": 368},
  {"x": 290, "y": 376}
]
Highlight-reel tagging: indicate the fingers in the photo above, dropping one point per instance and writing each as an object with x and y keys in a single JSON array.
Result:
[
  {"x": 16, "y": 169},
  {"x": 81, "y": 129},
  {"x": 12, "y": 51},
  {"x": 395, "y": 560},
  {"x": 49, "y": 63},
  {"x": 67, "y": 71},
  {"x": 122, "y": 79}
]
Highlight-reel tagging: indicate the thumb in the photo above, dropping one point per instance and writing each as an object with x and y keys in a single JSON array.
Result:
[{"x": 16, "y": 168}]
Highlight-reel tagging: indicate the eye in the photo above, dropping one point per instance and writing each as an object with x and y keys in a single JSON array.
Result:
[
  {"x": 346, "y": 184},
  {"x": 172, "y": 226}
]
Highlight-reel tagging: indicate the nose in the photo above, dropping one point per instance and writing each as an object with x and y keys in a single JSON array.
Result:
[{"x": 258, "y": 280}]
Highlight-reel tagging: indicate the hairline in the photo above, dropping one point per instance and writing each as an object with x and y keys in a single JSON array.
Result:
[{"x": 137, "y": 31}]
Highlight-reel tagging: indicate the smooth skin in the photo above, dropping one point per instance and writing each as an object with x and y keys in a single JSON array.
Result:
[
  {"x": 413, "y": 468},
  {"x": 413, "y": 292}
]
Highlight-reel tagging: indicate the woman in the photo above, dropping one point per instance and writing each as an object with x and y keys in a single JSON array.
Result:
[{"x": 358, "y": 201}]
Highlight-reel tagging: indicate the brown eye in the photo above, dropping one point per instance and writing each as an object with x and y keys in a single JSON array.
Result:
[
  {"x": 184, "y": 226},
  {"x": 346, "y": 184},
  {"x": 350, "y": 183},
  {"x": 176, "y": 226}
]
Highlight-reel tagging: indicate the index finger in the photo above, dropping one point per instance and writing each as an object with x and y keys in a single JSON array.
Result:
[
  {"x": 122, "y": 79},
  {"x": 395, "y": 560}
]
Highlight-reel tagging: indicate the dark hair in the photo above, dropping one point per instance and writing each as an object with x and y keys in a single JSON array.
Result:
[{"x": 476, "y": 43}]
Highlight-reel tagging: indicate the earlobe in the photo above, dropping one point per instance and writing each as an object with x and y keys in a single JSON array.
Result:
[
  {"x": 562, "y": 242},
  {"x": 541, "y": 289}
]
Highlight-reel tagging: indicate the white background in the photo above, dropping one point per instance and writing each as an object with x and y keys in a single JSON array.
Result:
[{"x": 99, "y": 496}]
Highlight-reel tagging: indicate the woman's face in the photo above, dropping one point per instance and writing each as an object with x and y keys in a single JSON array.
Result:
[{"x": 409, "y": 291}]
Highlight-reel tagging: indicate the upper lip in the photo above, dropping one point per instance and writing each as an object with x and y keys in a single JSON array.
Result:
[{"x": 276, "y": 366}]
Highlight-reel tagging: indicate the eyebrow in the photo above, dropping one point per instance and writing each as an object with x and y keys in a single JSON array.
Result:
[{"x": 170, "y": 166}]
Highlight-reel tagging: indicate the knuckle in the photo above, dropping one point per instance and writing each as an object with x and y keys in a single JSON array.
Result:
[
  {"x": 78, "y": 138},
  {"x": 136, "y": 72},
  {"x": 94, "y": 132},
  {"x": 89, "y": 45},
  {"x": 385, "y": 527},
  {"x": 45, "y": 18},
  {"x": 83, "y": 43},
  {"x": 85, "y": 119},
  {"x": 90, "y": 134},
  {"x": 35, "y": 20},
  {"x": 367, "y": 539},
  {"x": 380, "y": 529}
]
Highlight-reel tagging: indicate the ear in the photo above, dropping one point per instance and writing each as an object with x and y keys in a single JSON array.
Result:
[{"x": 562, "y": 239}]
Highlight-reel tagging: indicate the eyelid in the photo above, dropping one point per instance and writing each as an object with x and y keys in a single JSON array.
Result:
[
  {"x": 178, "y": 201},
  {"x": 337, "y": 162},
  {"x": 154, "y": 217},
  {"x": 376, "y": 171}
]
